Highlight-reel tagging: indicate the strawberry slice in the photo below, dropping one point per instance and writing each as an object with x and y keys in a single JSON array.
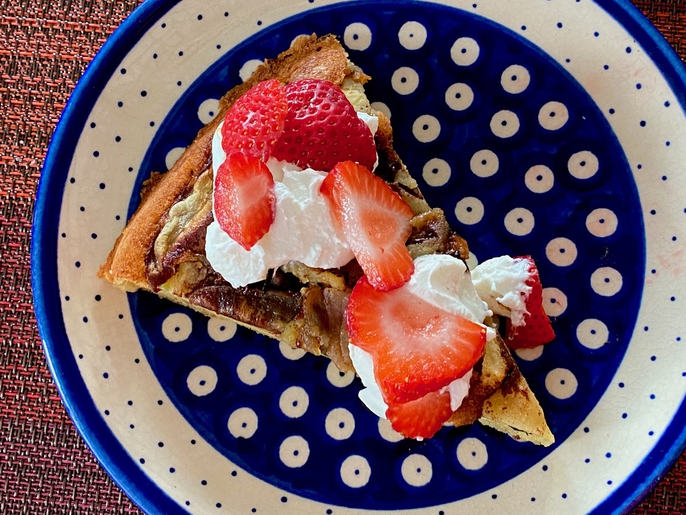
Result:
[
  {"x": 416, "y": 347},
  {"x": 536, "y": 329},
  {"x": 421, "y": 418},
  {"x": 375, "y": 222},
  {"x": 244, "y": 198},
  {"x": 256, "y": 120},
  {"x": 322, "y": 128}
]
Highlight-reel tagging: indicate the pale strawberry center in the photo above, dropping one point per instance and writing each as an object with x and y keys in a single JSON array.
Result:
[
  {"x": 413, "y": 323},
  {"x": 378, "y": 225},
  {"x": 251, "y": 192}
]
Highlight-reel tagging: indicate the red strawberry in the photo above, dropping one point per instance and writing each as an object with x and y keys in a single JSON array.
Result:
[
  {"x": 416, "y": 347},
  {"x": 375, "y": 222},
  {"x": 244, "y": 199},
  {"x": 322, "y": 128},
  {"x": 256, "y": 120},
  {"x": 537, "y": 329},
  {"x": 421, "y": 418}
]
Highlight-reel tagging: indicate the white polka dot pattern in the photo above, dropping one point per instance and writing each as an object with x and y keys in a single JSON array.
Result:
[
  {"x": 465, "y": 51},
  {"x": 412, "y": 35},
  {"x": 290, "y": 353},
  {"x": 484, "y": 163},
  {"x": 248, "y": 69},
  {"x": 426, "y": 128},
  {"x": 539, "y": 179},
  {"x": 339, "y": 424},
  {"x": 417, "y": 470},
  {"x": 221, "y": 330},
  {"x": 561, "y": 383},
  {"x": 387, "y": 432},
  {"x": 294, "y": 402},
  {"x": 405, "y": 80},
  {"x": 243, "y": 423},
  {"x": 469, "y": 210},
  {"x": 355, "y": 471},
  {"x": 553, "y": 116},
  {"x": 436, "y": 172},
  {"x": 592, "y": 333},
  {"x": 357, "y": 36},
  {"x": 337, "y": 378},
  {"x": 294, "y": 451},
  {"x": 208, "y": 110},
  {"x": 380, "y": 106},
  {"x": 459, "y": 96},
  {"x": 606, "y": 281},
  {"x": 472, "y": 454},
  {"x": 530, "y": 354},
  {"x": 602, "y": 222},
  {"x": 515, "y": 79},
  {"x": 252, "y": 369},
  {"x": 520, "y": 221},
  {"x": 561, "y": 251},
  {"x": 554, "y": 302},
  {"x": 505, "y": 124},
  {"x": 177, "y": 327},
  {"x": 583, "y": 165},
  {"x": 202, "y": 380}
]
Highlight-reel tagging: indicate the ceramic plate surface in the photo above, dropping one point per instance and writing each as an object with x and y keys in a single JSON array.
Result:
[{"x": 554, "y": 129}]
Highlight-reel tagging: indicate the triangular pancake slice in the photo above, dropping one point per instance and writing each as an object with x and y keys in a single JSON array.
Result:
[{"x": 162, "y": 250}]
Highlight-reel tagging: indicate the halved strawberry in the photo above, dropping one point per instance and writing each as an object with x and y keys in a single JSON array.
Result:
[
  {"x": 256, "y": 120},
  {"x": 322, "y": 128},
  {"x": 421, "y": 418},
  {"x": 375, "y": 222},
  {"x": 536, "y": 329},
  {"x": 244, "y": 198},
  {"x": 416, "y": 347}
]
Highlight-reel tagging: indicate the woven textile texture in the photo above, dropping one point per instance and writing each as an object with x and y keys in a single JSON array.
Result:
[{"x": 45, "y": 467}]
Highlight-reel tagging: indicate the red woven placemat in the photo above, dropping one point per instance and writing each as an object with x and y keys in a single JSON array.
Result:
[{"x": 44, "y": 465}]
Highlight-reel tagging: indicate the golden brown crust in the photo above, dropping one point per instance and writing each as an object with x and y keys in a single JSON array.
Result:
[
  {"x": 127, "y": 260},
  {"x": 499, "y": 397},
  {"x": 515, "y": 411}
]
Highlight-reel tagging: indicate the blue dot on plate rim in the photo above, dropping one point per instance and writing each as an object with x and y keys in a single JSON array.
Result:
[{"x": 148, "y": 311}]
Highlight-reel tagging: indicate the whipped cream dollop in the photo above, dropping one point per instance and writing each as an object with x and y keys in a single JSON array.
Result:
[
  {"x": 303, "y": 230},
  {"x": 443, "y": 281},
  {"x": 501, "y": 282}
]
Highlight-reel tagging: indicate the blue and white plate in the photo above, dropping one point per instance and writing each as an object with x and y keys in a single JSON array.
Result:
[{"x": 554, "y": 129}]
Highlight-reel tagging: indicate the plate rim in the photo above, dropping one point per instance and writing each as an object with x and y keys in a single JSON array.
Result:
[
  {"x": 90, "y": 424},
  {"x": 79, "y": 405},
  {"x": 672, "y": 443}
]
